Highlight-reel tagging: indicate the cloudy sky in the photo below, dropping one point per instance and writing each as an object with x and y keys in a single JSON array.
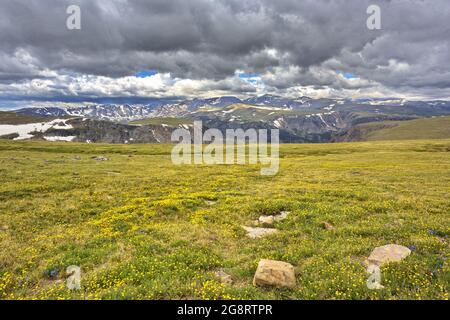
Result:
[{"x": 132, "y": 50}]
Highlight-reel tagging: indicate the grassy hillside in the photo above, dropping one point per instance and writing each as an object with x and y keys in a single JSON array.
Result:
[
  {"x": 15, "y": 118},
  {"x": 247, "y": 112},
  {"x": 140, "y": 227},
  {"x": 426, "y": 128}
]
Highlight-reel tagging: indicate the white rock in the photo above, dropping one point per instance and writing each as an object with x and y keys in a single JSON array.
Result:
[
  {"x": 388, "y": 253},
  {"x": 283, "y": 215},
  {"x": 255, "y": 232},
  {"x": 266, "y": 220},
  {"x": 380, "y": 256}
]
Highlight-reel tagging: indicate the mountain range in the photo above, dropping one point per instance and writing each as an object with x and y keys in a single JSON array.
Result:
[{"x": 302, "y": 119}]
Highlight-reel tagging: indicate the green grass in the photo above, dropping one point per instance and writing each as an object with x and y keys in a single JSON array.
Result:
[
  {"x": 247, "y": 112},
  {"x": 426, "y": 128},
  {"x": 140, "y": 227},
  {"x": 7, "y": 117}
]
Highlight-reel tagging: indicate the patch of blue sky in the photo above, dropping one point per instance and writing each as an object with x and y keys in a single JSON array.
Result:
[
  {"x": 348, "y": 75},
  {"x": 145, "y": 73},
  {"x": 251, "y": 78},
  {"x": 245, "y": 75}
]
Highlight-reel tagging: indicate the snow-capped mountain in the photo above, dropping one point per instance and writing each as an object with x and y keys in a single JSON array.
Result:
[
  {"x": 112, "y": 112},
  {"x": 302, "y": 119},
  {"x": 219, "y": 107},
  {"x": 44, "y": 111},
  {"x": 109, "y": 112},
  {"x": 219, "y": 102},
  {"x": 277, "y": 101}
]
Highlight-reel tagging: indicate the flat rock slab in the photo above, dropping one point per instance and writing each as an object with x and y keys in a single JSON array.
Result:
[
  {"x": 388, "y": 253},
  {"x": 270, "y": 220},
  {"x": 266, "y": 220},
  {"x": 101, "y": 158},
  {"x": 283, "y": 215},
  {"x": 256, "y": 232},
  {"x": 223, "y": 277},
  {"x": 274, "y": 273}
]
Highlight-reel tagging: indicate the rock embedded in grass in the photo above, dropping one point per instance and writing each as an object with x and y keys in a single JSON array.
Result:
[
  {"x": 4, "y": 227},
  {"x": 266, "y": 220},
  {"x": 328, "y": 226},
  {"x": 283, "y": 215},
  {"x": 380, "y": 256},
  {"x": 274, "y": 273},
  {"x": 388, "y": 253},
  {"x": 270, "y": 220},
  {"x": 101, "y": 158},
  {"x": 258, "y": 232},
  {"x": 223, "y": 277}
]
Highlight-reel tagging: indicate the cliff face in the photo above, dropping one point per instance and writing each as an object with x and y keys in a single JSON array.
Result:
[{"x": 95, "y": 131}]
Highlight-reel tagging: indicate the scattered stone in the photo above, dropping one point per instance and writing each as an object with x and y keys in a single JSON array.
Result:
[
  {"x": 76, "y": 158},
  {"x": 259, "y": 232},
  {"x": 388, "y": 253},
  {"x": 100, "y": 158},
  {"x": 380, "y": 256},
  {"x": 283, "y": 215},
  {"x": 223, "y": 277},
  {"x": 328, "y": 226},
  {"x": 210, "y": 203},
  {"x": 266, "y": 220},
  {"x": 270, "y": 220},
  {"x": 274, "y": 273},
  {"x": 4, "y": 227}
]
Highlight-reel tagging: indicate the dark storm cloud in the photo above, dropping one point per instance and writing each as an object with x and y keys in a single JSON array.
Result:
[{"x": 293, "y": 42}]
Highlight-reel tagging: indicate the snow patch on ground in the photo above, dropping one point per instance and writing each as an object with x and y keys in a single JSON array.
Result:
[
  {"x": 267, "y": 108},
  {"x": 56, "y": 138},
  {"x": 154, "y": 135},
  {"x": 278, "y": 123},
  {"x": 24, "y": 130}
]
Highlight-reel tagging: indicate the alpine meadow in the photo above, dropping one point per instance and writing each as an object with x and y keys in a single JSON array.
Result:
[
  {"x": 224, "y": 158},
  {"x": 142, "y": 228}
]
